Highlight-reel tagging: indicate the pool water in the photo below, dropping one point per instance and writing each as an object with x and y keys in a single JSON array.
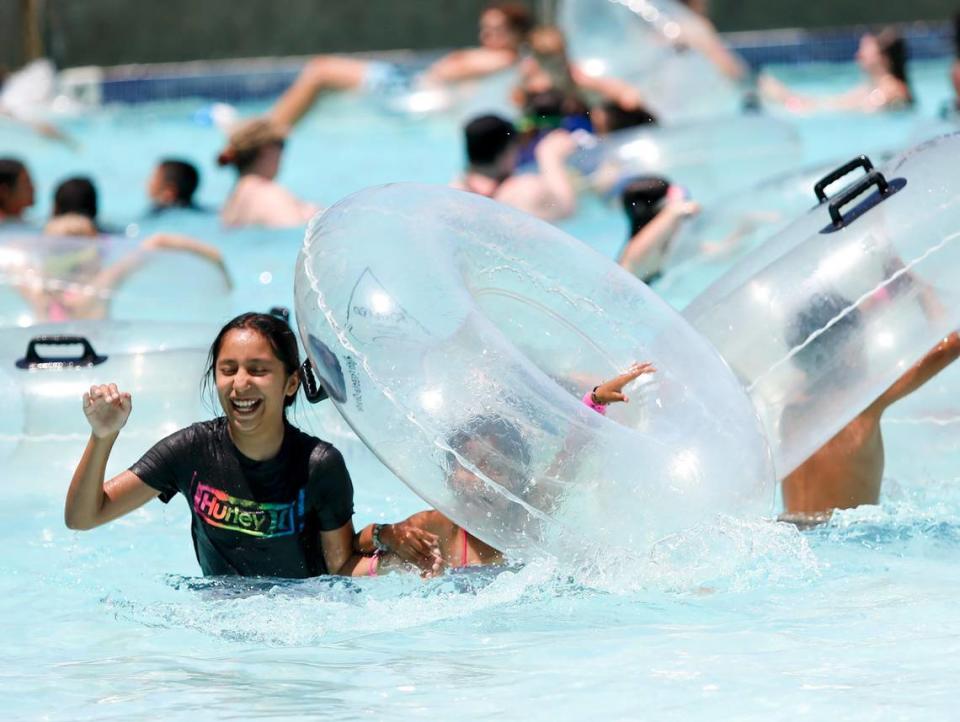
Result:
[{"x": 735, "y": 620}]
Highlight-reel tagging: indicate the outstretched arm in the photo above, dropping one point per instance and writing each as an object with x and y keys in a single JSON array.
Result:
[
  {"x": 177, "y": 242},
  {"x": 91, "y": 501},
  {"x": 608, "y": 392},
  {"x": 410, "y": 546},
  {"x": 470, "y": 63},
  {"x": 941, "y": 356},
  {"x": 551, "y": 154},
  {"x": 324, "y": 72},
  {"x": 609, "y": 88},
  {"x": 643, "y": 255}
]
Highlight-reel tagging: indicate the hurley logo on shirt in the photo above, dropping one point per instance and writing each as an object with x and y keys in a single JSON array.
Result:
[{"x": 263, "y": 519}]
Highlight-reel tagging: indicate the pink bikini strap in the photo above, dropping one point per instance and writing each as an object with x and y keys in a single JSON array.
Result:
[
  {"x": 463, "y": 551},
  {"x": 588, "y": 401},
  {"x": 372, "y": 564}
]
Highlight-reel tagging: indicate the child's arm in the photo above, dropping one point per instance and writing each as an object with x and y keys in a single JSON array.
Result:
[
  {"x": 176, "y": 242},
  {"x": 644, "y": 252},
  {"x": 941, "y": 356},
  {"x": 609, "y": 88},
  {"x": 470, "y": 63}
]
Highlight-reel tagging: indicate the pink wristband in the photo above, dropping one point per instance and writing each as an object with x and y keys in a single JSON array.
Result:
[
  {"x": 372, "y": 564},
  {"x": 588, "y": 400}
]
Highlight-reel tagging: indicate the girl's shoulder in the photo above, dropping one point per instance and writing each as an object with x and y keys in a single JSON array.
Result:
[{"x": 317, "y": 451}]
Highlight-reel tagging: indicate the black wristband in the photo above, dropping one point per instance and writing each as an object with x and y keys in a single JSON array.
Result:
[{"x": 378, "y": 545}]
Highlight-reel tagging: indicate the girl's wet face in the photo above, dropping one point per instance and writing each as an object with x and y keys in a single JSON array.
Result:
[{"x": 252, "y": 382}]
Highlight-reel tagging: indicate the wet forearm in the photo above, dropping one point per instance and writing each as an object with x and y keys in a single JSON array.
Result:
[{"x": 85, "y": 497}]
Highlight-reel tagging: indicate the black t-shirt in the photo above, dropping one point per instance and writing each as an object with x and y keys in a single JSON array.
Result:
[{"x": 253, "y": 518}]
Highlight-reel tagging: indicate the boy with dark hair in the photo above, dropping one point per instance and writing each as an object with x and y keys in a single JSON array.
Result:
[
  {"x": 16, "y": 189},
  {"x": 173, "y": 184},
  {"x": 76, "y": 195},
  {"x": 492, "y": 145}
]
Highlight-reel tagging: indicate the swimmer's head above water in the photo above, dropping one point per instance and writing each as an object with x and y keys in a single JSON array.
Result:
[
  {"x": 173, "y": 183},
  {"x": 254, "y": 366},
  {"x": 838, "y": 324},
  {"x": 491, "y": 145},
  {"x": 255, "y": 147},
  {"x": 504, "y": 26},
  {"x": 76, "y": 196},
  {"x": 16, "y": 189},
  {"x": 885, "y": 52}
]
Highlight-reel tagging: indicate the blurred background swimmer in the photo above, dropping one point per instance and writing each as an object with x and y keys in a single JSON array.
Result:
[
  {"x": 655, "y": 209},
  {"x": 493, "y": 145},
  {"x": 16, "y": 190},
  {"x": 703, "y": 36},
  {"x": 76, "y": 196},
  {"x": 172, "y": 185},
  {"x": 503, "y": 31},
  {"x": 547, "y": 67},
  {"x": 881, "y": 57},
  {"x": 25, "y": 98},
  {"x": 76, "y": 280},
  {"x": 254, "y": 150}
]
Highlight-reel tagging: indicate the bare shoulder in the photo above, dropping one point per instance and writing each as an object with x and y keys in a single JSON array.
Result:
[{"x": 525, "y": 192}]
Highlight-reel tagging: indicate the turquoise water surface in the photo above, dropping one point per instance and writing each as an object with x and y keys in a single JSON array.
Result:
[{"x": 735, "y": 620}]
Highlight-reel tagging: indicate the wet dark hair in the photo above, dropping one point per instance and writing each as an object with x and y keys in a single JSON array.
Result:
[
  {"x": 488, "y": 137},
  {"x": 894, "y": 49},
  {"x": 619, "y": 118},
  {"x": 183, "y": 176},
  {"x": 502, "y": 435},
  {"x": 76, "y": 195},
  {"x": 823, "y": 308},
  {"x": 643, "y": 199},
  {"x": 10, "y": 170},
  {"x": 275, "y": 330},
  {"x": 518, "y": 17}
]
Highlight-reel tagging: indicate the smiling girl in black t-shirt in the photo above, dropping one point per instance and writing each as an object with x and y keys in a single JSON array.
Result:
[{"x": 266, "y": 499}]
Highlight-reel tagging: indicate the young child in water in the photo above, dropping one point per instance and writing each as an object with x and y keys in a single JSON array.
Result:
[{"x": 495, "y": 447}]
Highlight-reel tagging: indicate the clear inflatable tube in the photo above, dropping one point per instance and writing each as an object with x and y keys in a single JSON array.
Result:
[
  {"x": 456, "y": 336},
  {"x": 462, "y": 100},
  {"x": 708, "y": 244},
  {"x": 49, "y": 278},
  {"x": 824, "y": 317},
  {"x": 43, "y": 424},
  {"x": 709, "y": 158},
  {"x": 653, "y": 44}
]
